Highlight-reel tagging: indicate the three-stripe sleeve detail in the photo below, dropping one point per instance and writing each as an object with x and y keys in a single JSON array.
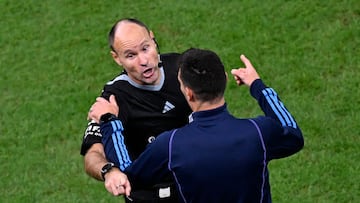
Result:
[
  {"x": 119, "y": 145},
  {"x": 278, "y": 107}
]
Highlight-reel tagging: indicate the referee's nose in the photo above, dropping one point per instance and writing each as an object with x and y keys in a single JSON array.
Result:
[{"x": 143, "y": 59}]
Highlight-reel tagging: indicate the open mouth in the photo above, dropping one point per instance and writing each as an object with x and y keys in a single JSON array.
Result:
[{"x": 148, "y": 72}]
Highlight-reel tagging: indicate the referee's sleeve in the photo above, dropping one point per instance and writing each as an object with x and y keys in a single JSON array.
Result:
[{"x": 92, "y": 135}]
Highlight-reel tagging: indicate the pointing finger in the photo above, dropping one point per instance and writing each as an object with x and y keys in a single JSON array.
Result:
[
  {"x": 101, "y": 99},
  {"x": 234, "y": 71},
  {"x": 246, "y": 61}
]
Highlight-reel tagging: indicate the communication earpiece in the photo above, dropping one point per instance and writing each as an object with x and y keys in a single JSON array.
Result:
[
  {"x": 158, "y": 49},
  {"x": 157, "y": 45}
]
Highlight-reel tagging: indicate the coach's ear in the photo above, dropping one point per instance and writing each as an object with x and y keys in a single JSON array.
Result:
[
  {"x": 189, "y": 94},
  {"x": 116, "y": 58}
]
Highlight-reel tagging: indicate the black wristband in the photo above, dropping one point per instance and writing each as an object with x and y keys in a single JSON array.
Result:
[{"x": 107, "y": 118}]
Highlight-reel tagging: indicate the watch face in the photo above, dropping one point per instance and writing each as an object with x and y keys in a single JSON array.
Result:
[
  {"x": 107, "y": 167},
  {"x": 107, "y": 117}
]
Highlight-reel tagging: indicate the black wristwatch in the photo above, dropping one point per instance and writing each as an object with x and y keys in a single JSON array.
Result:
[
  {"x": 107, "y": 118},
  {"x": 106, "y": 168}
]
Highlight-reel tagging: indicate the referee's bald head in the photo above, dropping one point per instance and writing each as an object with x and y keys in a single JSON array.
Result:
[{"x": 114, "y": 28}]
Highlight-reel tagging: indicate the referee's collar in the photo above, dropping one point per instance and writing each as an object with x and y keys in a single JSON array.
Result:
[
  {"x": 157, "y": 87},
  {"x": 150, "y": 87}
]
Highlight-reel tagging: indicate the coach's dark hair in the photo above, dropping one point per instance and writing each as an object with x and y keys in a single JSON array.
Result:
[
  {"x": 203, "y": 72},
  {"x": 114, "y": 28}
]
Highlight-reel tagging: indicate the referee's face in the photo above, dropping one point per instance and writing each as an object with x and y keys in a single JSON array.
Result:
[{"x": 136, "y": 53}]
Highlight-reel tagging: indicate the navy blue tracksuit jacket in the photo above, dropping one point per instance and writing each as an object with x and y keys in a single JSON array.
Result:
[{"x": 216, "y": 157}]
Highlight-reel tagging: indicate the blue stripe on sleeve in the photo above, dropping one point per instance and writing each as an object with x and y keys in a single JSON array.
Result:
[
  {"x": 278, "y": 107},
  {"x": 273, "y": 96},
  {"x": 293, "y": 123},
  {"x": 119, "y": 145}
]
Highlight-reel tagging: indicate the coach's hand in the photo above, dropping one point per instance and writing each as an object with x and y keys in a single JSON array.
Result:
[
  {"x": 117, "y": 183},
  {"x": 245, "y": 75},
  {"x": 101, "y": 107}
]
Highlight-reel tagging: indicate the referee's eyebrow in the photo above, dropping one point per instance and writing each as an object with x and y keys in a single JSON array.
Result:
[{"x": 145, "y": 41}]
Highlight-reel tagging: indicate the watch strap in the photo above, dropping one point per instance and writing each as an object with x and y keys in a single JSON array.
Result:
[
  {"x": 107, "y": 118},
  {"x": 106, "y": 168}
]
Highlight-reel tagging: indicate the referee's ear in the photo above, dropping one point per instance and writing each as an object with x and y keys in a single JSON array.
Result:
[
  {"x": 153, "y": 38},
  {"x": 116, "y": 57}
]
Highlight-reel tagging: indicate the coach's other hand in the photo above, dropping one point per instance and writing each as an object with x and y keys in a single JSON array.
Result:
[{"x": 101, "y": 107}]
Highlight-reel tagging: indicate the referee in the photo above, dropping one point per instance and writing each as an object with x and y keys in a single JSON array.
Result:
[
  {"x": 148, "y": 94},
  {"x": 216, "y": 157}
]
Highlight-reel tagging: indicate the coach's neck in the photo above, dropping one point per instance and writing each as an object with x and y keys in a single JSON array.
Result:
[{"x": 207, "y": 105}]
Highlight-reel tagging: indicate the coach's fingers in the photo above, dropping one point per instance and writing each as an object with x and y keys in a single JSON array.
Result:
[
  {"x": 112, "y": 100},
  {"x": 123, "y": 186},
  {"x": 249, "y": 75},
  {"x": 124, "y": 189},
  {"x": 246, "y": 61},
  {"x": 119, "y": 190},
  {"x": 127, "y": 187},
  {"x": 113, "y": 188},
  {"x": 115, "y": 107},
  {"x": 237, "y": 72},
  {"x": 101, "y": 99},
  {"x": 116, "y": 189},
  {"x": 110, "y": 187},
  {"x": 95, "y": 112},
  {"x": 91, "y": 115},
  {"x": 237, "y": 75}
]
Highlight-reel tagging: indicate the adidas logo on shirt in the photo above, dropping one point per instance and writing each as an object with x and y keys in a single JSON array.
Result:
[{"x": 167, "y": 107}]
